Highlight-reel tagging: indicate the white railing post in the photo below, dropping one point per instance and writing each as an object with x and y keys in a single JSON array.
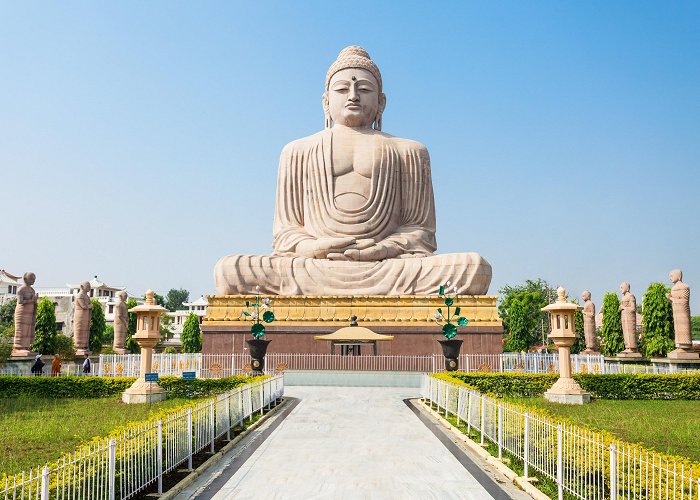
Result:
[
  {"x": 240, "y": 407},
  {"x": 45, "y": 483},
  {"x": 560, "y": 472},
  {"x": 159, "y": 457},
  {"x": 613, "y": 473},
  {"x": 211, "y": 425},
  {"x": 262, "y": 398},
  {"x": 228, "y": 417},
  {"x": 100, "y": 369},
  {"x": 500, "y": 362},
  {"x": 469, "y": 412},
  {"x": 460, "y": 404},
  {"x": 526, "y": 445},
  {"x": 483, "y": 416},
  {"x": 447, "y": 399},
  {"x": 189, "y": 438},
  {"x": 500, "y": 431},
  {"x": 466, "y": 363},
  {"x": 112, "y": 469}
]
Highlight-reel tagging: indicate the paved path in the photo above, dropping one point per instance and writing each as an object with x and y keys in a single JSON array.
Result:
[{"x": 347, "y": 442}]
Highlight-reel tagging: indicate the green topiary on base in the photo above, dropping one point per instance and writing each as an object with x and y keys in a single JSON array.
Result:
[
  {"x": 97, "y": 327},
  {"x": 657, "y": 321},
  {"x": 613, "y": 341},
  {"x": 45, "y": 338},
  {"x": 191, "y": 336}
]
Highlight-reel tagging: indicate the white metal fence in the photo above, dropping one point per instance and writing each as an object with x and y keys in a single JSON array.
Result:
[
  {"x": 580, "y": 462},
  {"x": 139, "y": 456}
]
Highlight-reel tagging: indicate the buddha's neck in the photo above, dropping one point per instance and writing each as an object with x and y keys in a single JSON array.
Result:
[{"x": 344, "y": 129}]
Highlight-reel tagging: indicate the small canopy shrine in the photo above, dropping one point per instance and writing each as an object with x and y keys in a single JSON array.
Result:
[{"x": 351, "y": 338}]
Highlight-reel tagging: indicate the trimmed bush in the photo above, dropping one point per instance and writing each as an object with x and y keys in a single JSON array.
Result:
[
  {"x": 100, "y": 387},
  {"x": 624, "y": 386},
  {"x": 613, "y": 340},
  {"x": 45, "y": 332},
  {"x": 657, "y": 321},
  {"x": 191, "y": 335}
]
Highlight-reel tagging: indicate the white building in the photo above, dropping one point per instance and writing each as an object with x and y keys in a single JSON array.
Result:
[
  {"x": 198, "y": 307},
  {"x": 9, "y": 284}
]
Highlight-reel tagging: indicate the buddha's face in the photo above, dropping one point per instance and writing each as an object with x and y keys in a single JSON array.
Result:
[
  {"x": 624, "y": 288},
  {"x": 586, "y": 295},
  {"x": 353, "y": 98}
]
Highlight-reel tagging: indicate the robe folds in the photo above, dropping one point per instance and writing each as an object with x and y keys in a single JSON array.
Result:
[{"x": 400, "y": 210}]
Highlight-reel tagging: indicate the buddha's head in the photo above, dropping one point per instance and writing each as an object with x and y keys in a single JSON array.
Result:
[
  {"x": 123, "y": 295},
  {"x": 353, "y": 95},
  {"x": 675, "y": 276},
  {"x": 29, "y": 278},
  {"x": 85, "y": 286},
  {"x": 624, "y": 287},
  {"x": 586, "y": 295}
]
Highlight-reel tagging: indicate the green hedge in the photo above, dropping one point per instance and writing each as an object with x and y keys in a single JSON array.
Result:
[
  {"x": 625, "y": 386},
  {"x": 100, "y": 387}
]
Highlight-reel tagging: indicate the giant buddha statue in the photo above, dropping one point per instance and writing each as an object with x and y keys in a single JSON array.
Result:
[{"x": 355, "y": 213}]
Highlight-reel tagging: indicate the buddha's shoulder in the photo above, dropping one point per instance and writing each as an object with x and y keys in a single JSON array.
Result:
[
  {"x": 304, "y": 143},
  {"x": 407, "y": 145}
]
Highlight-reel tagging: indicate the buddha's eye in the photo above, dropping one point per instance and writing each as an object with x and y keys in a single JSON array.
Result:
[{"x": 341, "y": 88}]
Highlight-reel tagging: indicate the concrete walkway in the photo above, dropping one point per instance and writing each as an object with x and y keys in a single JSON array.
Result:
[{"x": 346, "y": 442}]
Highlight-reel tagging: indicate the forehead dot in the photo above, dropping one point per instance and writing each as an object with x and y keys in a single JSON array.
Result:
[{"x": 354, "y": 78}]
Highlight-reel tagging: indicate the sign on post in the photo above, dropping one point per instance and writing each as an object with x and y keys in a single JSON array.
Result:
[
  {"x": 151, "y": 377},
  {"x": 189, "y": 375}
]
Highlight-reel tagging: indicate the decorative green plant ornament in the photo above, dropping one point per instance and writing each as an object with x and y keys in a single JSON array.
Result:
[
  {"x": 449, "y": 329},
  {"x": 258, "y": 314}
]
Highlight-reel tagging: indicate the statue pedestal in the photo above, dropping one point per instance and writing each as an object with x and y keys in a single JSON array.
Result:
[
  {"x": 630, "y": 355},
  {"x": 567, "y": 391},
  {"x": 684, "y": 354},
  {"x": 590, "y": 352},
  {"x": 23, "y": 353},
  {"x": 119, "y": 350},
  {"x": 143, "y": 392},
  {"x": 298, "y": 318}
]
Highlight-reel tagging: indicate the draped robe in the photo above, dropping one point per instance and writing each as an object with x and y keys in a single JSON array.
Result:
[{"x": 399, "y": 211}]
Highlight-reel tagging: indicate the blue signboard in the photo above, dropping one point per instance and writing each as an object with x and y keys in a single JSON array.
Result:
[
  {"x": 189, "y": 375},
  {"x": 151, "y": 377}
]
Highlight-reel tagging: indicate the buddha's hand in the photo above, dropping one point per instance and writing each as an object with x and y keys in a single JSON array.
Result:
[
  {"x": 374, "y": 253},
  {"x": 320, "y": 248}
]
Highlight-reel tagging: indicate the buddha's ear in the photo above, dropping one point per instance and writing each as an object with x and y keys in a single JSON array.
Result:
[
  {"x": 380, "y": 111},
  {"x": 326, "y": 111}
]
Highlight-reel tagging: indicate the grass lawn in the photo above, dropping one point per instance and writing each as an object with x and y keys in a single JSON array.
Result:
[
  {"x": 666, "y": 426},
  {"x": 34, "y": 431}
]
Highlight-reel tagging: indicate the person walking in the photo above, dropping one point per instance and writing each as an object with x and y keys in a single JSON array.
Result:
[
  {"x": 56, "y": 366},
  {"x": 86, "y": 365},
  {"x": 38, "y": 366}
]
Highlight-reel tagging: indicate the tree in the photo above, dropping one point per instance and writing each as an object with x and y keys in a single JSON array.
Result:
[
  {"x": 97, "y": 326},
  {"x": 657, "y": 321},
  {"x": 524, "y": 318},
  {"x": 45, "y": 338},
  {"x": 160, "y": 300},
  {"x": 7, "y": 313},
  {"x": 191, "y": 335},
  {"x": 580, "y": 342},
  {"x": 166, "y": 326},
  {"x": 695, "y": 322},
  {"x": 130, "y": 343},
  {"x": 175, "y": 298},
  {"x": 538, "y": 328},
  {"x": 613, "y": 341}
]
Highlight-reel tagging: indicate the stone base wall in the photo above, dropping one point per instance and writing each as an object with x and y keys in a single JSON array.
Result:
[{"x": 217, "y": 339}]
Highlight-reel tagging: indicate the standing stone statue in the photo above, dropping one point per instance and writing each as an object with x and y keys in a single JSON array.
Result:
[
  {"x": 628, "y": 310},
  {"x": 81, "y": 320},
  {"x": 25, "y": 317},
  {"x": 355, "y": 212},
  {"x": 680, "y": 299},
  {"x": 121, "y": 323},
  {"x": 589, "y": 323}
]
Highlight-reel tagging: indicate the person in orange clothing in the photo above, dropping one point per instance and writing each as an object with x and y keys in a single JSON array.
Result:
[{"x": 56, "y": 366}]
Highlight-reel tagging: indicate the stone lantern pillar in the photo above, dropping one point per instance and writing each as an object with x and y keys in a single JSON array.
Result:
[
  {"x": 147, "y": 336},
  {"x": 561, "y": 316}
]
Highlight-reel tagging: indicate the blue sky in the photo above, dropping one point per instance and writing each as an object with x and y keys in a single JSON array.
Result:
[{"x": 139, "y": 140}]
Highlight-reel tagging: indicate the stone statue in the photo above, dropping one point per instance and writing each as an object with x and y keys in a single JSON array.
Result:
[
  {"x": 680, "y": 299},
  {"x": 628, "y": 309},
  {"x": 355, "y": 213},
  {"x": 121, "y": 323},
  {"x": 81, "y": 320},
  {"x": 25, "y": 317},
  {"x": 589, "y": 323}
]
